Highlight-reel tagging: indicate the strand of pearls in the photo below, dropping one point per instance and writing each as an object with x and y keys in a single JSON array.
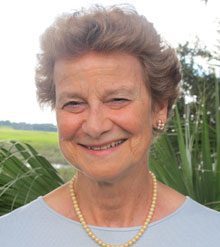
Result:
[{"x": 99, "y": 241}]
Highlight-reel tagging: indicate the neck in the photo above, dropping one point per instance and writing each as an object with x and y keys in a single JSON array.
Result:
[{"x": 120, "y": 204}]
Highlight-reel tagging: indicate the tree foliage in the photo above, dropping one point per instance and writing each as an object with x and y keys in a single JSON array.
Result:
[{"x": 27, "y": 126}]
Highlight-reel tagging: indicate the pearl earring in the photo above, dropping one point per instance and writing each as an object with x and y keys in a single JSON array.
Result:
[{"x": 160, "y": 124}]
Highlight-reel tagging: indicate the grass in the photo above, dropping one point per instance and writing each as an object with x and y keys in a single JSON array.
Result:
[
  {"x": 35, "y": 137},
  {"x": 46, "y": 143}
]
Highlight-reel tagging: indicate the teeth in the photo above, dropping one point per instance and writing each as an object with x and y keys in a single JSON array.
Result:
[{"x": 111, "y": 145}]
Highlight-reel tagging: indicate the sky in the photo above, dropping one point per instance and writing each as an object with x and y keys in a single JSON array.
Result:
[{"x": 22, "y": 22}]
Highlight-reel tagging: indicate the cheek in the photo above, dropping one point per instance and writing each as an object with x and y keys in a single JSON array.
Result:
[
  {"x": 138, "y": 123},
  {"x": 67, "y": 124},
  {"x": 135, "y": 120},
  {"x": 67, "y": 129},
  {"x": 69, "y": 150}
]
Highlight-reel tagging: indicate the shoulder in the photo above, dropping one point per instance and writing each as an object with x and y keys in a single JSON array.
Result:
[
  {"x": 36, "y": 224},
  {"x": 191, "y": 216},
  {"x": 19, "y": 223},
  {"x": 192, "y": 224},
  {"x": 23, "y": 213},
  {"x": 175, "y": 207},
  {"x": 200, "y": 213},
  {"x": 196, "y": 208}
]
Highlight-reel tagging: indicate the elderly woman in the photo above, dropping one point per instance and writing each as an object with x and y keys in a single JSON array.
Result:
[{"x": 112, "y": 83}]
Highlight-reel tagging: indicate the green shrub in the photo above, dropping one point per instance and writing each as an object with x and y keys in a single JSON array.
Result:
[{"x": 187, "y": 157}]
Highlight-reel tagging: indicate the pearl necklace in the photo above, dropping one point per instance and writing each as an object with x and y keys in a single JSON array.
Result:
[{"x": 99, "y": 241}]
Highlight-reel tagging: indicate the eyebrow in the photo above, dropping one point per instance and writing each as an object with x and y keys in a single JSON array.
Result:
[
  {"x": 68, "y": 95},
  {"x": 123, "y": 90}
]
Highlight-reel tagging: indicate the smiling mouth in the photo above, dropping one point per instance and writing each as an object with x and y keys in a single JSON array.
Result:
[{"x": 104, "y": 147}]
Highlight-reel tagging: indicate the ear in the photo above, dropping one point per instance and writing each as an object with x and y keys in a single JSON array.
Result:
[{"x": 160, "y": 113}]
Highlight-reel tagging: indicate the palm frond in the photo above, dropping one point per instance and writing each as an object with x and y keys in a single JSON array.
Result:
[{"x": 24, "y": 175}]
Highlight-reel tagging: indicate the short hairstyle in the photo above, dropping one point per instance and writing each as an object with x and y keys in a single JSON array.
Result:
[{"x": 106, "y": 30}]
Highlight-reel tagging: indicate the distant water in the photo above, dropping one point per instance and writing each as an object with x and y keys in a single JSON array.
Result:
[{"x": 58, "y": 166}]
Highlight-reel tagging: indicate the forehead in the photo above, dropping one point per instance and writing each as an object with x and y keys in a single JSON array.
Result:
[{"x": 100, "y": 71}]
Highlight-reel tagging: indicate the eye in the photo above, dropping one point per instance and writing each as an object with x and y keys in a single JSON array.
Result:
[
  {"x": 74, "y": 106},
  {"x": 118, "y": 102}
]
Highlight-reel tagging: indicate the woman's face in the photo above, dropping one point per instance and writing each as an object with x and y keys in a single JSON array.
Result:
[{"x": 104, "y": 114}]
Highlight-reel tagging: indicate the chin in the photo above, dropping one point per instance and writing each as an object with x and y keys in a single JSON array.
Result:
[
  {"x": 106, "y": 166},
  {"x": 107, "y": 173}
]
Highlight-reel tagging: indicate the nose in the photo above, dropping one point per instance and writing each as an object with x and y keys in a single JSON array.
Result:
[{"x": 97, "y": 122}]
